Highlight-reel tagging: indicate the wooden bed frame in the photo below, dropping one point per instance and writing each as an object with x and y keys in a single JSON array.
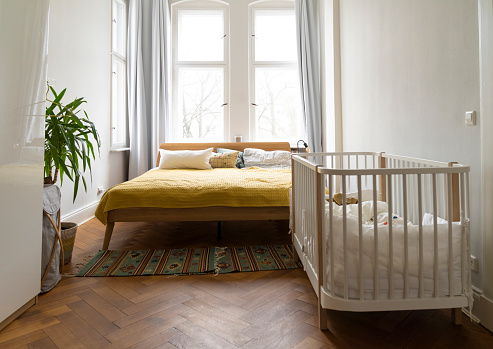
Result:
[{"x": 219, "y": 214}]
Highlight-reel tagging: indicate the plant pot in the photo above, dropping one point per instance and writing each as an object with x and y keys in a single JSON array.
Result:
[{"x": 68, "y": 239}]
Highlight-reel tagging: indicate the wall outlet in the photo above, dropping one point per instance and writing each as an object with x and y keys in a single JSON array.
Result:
[
  {"x": 100, "y": 190},
  {"x": 470, "y": 119},
  {"x": 474, "y": 264}
]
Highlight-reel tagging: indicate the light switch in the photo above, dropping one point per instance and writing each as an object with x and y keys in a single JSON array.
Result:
[{"x": 470, "y": 119}]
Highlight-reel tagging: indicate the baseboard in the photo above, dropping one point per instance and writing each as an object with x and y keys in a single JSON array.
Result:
[
  {"x": 486, "y": 312},
  {"x": 82, "y": 215}
]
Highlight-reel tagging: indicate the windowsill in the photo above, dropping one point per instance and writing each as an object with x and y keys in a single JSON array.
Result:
[{"x": 118, "y": 150}]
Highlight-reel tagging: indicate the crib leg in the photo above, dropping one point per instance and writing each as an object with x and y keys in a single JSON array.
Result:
[
  {"x": 322, "y": 317},
  {"x": 457, "y": 316}
]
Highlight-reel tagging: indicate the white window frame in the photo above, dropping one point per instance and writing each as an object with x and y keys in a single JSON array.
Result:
[
  {"x": 117, "y": 57},
  {"x": 199, "y": 5},
  {"x": 274, "y": 6},
  {"x": 239, "y": 94}
]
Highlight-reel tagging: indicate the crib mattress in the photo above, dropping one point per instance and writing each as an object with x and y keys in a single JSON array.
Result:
[
  {"x": 230, "y": 187},
  {"x": 381, "y": 267}
]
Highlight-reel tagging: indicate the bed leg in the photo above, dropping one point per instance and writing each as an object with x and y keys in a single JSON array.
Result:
[
  {"x": 219, "y": 236},
  {"x": 322, "y": 318},
  {"x": 107, "y": 234},
  {"x": 457, "y": 316}
]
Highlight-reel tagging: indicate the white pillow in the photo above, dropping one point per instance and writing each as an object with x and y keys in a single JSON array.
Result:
[
  {"x": 196, "y": 159},
  {"x": 267, "y": 159}
]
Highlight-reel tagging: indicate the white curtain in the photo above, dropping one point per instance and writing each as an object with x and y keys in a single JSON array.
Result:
[
  {"x": 308, "y": 40},
  {"x": 148, "y": 71}
]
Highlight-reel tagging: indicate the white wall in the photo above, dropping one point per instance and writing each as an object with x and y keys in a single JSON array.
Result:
[
  {"x": 331, "y": 75},
  {"x": 79, "y": 60},
  {"x": 410, "y": 70},
  {"x": 23, "y": 30}
]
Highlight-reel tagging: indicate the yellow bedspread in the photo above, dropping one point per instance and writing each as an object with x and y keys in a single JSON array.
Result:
[{"x": 252, "y": 187}]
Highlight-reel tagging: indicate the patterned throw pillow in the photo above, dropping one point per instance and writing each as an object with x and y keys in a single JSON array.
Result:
[
  {"x": 223, "y": 160},
  {"x": 239, "y": 161}
]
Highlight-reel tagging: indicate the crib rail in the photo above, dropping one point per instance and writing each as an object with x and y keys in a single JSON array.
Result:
[
  {"x": 375, "y": 265},
  {"x": 304, "y": 215}
]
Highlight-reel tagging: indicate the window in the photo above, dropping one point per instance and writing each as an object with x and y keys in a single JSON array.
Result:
[
  {"x": 200, "y": 72},
  {"x": 119, "y": 119},
  {"x": 235, "y": 76},
  {"x": 275, "y": 92}
]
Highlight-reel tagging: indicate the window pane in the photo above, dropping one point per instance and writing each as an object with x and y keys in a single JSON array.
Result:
[
  {"x": 275, "y": 35},
  {"x": 119, "y": 27},
  {"x": 278, "y": 110},
  {"x": 200, "y": 35},
  {"x": 118, "y": 105},
  {"x": 199, "y": 104}
]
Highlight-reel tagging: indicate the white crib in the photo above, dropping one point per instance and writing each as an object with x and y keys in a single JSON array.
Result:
[{"x": 403, "y": 246}]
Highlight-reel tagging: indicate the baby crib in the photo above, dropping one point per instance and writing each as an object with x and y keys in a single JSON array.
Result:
[{"x": 404, "y": 245}]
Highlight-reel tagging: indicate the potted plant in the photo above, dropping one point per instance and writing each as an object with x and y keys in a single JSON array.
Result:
[{"x": 69, "y": 145}]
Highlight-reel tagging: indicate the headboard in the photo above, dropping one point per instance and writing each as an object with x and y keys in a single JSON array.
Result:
[{"x": 269, "y": 146}]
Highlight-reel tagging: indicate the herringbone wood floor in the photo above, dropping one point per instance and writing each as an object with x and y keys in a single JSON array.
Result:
[{"x": 247, "y": 310}]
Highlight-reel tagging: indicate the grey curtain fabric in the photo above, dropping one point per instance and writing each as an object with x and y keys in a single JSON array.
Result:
[
  {"x": 308, "y": 40},
  {"x": 148, "y": 71},
  {"x": 161, "y": 64}
]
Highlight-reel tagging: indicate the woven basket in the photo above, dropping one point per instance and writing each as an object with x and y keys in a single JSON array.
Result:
[{"x": 68, "y": 239}]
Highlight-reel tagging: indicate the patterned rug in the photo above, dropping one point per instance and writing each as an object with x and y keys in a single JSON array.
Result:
[{"x": 190, "y": 261}]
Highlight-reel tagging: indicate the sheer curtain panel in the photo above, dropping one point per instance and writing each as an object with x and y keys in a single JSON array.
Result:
[
  {"x": 148, "y": 100},
  {"x": 308, "y": 40}
]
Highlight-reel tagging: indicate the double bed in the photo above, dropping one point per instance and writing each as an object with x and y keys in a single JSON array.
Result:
[{"x": 220, "y": 194}]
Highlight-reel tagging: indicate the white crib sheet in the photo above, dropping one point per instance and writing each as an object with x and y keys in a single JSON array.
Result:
[{"x": 352, "y": 254}]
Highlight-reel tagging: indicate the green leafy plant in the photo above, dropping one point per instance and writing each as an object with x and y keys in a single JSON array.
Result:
[{"x": 69, "y": 141}]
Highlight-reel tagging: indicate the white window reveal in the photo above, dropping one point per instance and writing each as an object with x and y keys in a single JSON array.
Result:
[{"x": 119, "y": 114}]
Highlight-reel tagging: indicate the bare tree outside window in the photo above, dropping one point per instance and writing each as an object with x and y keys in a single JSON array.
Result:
[
  {"x": 200, "y": 100},
  {"x": 276, "y": 94},
  {"x": 278, "y": 109}
]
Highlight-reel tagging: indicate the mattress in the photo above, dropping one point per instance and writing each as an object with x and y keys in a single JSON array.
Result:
[
  {"x": 381, "y": 267},
  {"x": 230, "y": 187}
]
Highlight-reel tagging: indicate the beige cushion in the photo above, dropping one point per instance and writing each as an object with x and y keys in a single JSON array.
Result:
[{"x": 224, "y": 160}]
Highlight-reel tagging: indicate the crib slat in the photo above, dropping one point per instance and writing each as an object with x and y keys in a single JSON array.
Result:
[
  {"x": 420, "y": 225},
  {"x": 450, "y": 246},
  {"x": 331, "y": 237},
  {"x": 391, "y": 238},
  {"x": 319, "y": 244},
  {"x": 382, "y": 185},
  {"x": 435, "y": 237},
  {"x": 360, "y": 234},
  {"x": 468, "y": 211},
  {"x": 406, "y": 237},
  {"x": 366, "y": 166},
  {"x": 375, "y": 240},
  {"x": 344, "y": 237},
  {"x": 464, "y": 259}
]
